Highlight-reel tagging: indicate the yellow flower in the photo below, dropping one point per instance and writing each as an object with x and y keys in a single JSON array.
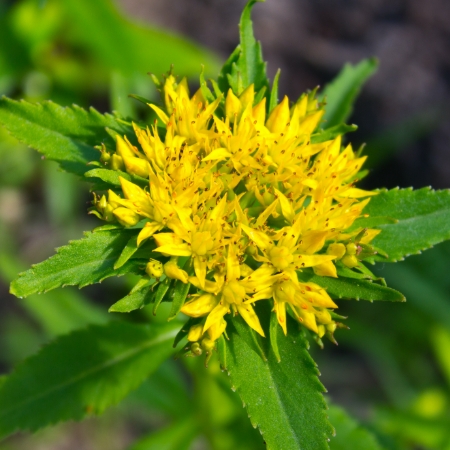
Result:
[{"x": 249, "y": 197}]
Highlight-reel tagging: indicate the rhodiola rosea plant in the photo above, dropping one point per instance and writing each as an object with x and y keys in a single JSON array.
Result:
[{"x": 241, "y": 210}]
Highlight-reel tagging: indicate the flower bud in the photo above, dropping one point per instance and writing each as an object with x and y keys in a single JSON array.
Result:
[
  {"x": 233, "y": 292},
  {"x": 126, "y": 217},
  {"x": 321, "y": 330},
  {"x": 350, "y": 261},
  {"x": 196, "y": 349},
  {"x": 337, "y": 250},
  {"x": 195, "y": 332},
  {"x": 154, "y": 269},
  {"x": 207, "y": 345},
  {"x": 172, "y": 270},
  {"x": 323, "y": 316},
  {"x": 351, "y": 248},
  {"x": 116, "y": 162}
]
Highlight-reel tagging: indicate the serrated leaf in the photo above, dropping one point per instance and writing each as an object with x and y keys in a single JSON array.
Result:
[
  {"x": 332, "y": 133},
  {"x": 66, "y": 135},
  {"x": 350, "y": 434},
  {"x": 181, "y": 290},
  {"x": 247, "y": 64},
  {"x": 86, "y": 261},
  {"x": 341, "y": 93},
  {"x": 422, "y": 217},
  {"x": 352, "y": 288},
  {"x": 82, "y": 373},
  {"x": 283, "y": 399}
]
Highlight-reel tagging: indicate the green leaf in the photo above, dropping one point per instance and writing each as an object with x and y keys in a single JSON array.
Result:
[
  {"x": 128, "y": 251},
  {"x": 181, "y": 291},
  {"x": 82, "y": 373},
  {"x": 161, "y": 292},
  {"x": 341, "y": 93},
  {"x": 66, "y": 135},
  {"x": 122, "y": 45},
  {"x": 274, "y": 92},
  {"x": 353, "y": 288},
  {"x": 86, "y": 261},
  {"x": 247, "y": 64},
  {"x": 141, "y": 295},
  {"x": 422, "y": 221},
  {"x": 112, "y": 177},
  {"x": 274, "y": 331},
  {"x": 332, "y": 133},
  {"x": 349, "y": 434},
  {"x": 177, "y": 436},
  {"x": 283, "y": 399}
]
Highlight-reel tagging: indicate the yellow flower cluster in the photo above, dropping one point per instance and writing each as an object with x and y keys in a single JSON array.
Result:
[{"x": 250, "y": 200}]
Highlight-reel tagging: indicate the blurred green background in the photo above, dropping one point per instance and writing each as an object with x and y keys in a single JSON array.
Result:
[{"x": 391, "y": 370}]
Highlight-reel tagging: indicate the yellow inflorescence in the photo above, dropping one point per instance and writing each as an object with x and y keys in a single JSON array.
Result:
[{"x": 250, "y": 199}]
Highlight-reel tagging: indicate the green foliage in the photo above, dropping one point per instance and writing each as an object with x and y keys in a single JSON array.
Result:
[
  {"x": 421, "y": 216},
  {"x": 82, "y": 374},
  {"x": 349, "y": 434},
  {"x": 245, "y": 65},
  {"x": 352, "y": 288},
  {"x": 142, "y": 294},
  {"x": 341, "y": 93},
  {"x": 63, "y": 134},
  {"x": 120, "y": 44},
  {"x": 283, "y": 399},
  {"x": 177, "y": 436},
  {"x": 86, "y": 261}
]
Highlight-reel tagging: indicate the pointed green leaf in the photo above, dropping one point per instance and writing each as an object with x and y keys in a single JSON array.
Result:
[
  {"x": 353, "y": 288},
  {"x": 86, "y": 261},
  {"x": 181, "y": 291},
  {"x": 112, "y": 177},
  {"x": 274, "y": 92},
  {"x": 246, "y": 62},
  {"x": 82, "y": 373},
  {"x": 283, "y": 399},
  {"x": 274, "y": 331},
  {"x": 128, "y": 251},
  {"x": 422, "y": 216},
  {"x": 341, "y": 93},
  {"x": 161, "y": 292},
  {"x": 350, "y": 434},
  {"x": 66, "y": 135},
  {"x": 332, "y": 133},
  {"x": 141, "y": 295}
]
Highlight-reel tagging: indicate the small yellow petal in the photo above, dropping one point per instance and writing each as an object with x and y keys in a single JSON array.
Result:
[
  {"x": 216, "y": 315},
  {"x": 147, "y": 231},
  {"x": 175, "y": 250},
  {"x": 279, "y": 117},
  {"x": 248, "y": 314},
  {"x": 325, "y": 269}
]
